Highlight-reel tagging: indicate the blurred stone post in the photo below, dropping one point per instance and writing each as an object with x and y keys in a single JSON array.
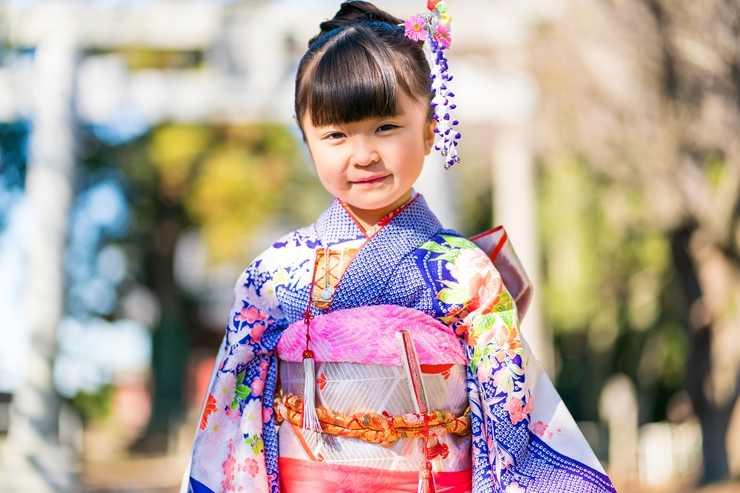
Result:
[
  {"x": 618, "y": 407},
  {"x": 34, "y": 461},
  {"x": 515, "y": 208},
  {"x": 514, "y": 184}
]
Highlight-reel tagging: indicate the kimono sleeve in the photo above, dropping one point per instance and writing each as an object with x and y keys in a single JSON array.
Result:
[
  {"x": 524, "y": 438},
  {"x": 229, "y": 452}
]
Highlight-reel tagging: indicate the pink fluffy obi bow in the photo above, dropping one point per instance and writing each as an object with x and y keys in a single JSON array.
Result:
[{"x": 368, "y": 335}]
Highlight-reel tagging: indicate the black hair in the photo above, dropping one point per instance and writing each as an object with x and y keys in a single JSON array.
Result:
[{"x": 355, "y": 66}]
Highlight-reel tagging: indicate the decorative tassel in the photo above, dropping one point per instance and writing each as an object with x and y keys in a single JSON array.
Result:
[
  {"x": 426, "y": 479},
  {"x": 310, "y": 419}
]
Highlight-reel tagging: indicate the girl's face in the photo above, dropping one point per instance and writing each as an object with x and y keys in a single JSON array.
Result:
[{"x": 372, "y": 164}]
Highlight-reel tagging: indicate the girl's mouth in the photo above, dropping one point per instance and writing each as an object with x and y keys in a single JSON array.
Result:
[{"x": 372, "y": 180}]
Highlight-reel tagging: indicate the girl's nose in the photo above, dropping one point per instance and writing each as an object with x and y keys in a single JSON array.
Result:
[{"x": 364, "y": 155}]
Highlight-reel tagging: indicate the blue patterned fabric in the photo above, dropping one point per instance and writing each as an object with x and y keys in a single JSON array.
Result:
[{"x": 523, "y": 440}]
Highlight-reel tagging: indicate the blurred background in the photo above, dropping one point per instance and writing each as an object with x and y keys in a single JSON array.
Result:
[{"x": 148, "y": 153}]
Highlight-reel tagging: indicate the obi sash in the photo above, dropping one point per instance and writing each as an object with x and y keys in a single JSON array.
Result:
[{"x": 359, "y": 370}]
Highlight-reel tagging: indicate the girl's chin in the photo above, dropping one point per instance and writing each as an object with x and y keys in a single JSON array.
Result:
[
  {"x": 371, "y": 205},
  {"x": 368, "y": 207},
  {"x": 375, "y": 199}
]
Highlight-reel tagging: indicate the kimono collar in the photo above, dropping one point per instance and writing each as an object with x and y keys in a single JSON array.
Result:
[
  {"x": 335, "y": 225},
  {"x": 368, "y": 274},
  {"x": 332, "y": 226}
]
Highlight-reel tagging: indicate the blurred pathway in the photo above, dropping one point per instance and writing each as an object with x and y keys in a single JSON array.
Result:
[{"x": 141, "y": 475}]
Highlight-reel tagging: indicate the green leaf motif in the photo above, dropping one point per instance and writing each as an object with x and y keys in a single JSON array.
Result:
[
  {"x": 453, "y": 296},
  {"x": 516, "y": 370},
  {"x": 477, "y": 356},
  {"x": 256, "y": 443},
  {"x": 281, "y": 277},
  {"x": 483, "y": 322},
  {"x": 506, "y": 316},
  {"x": 459, "y": 242},
  {"x": 242, "y": 391},
  {"x": 505, "y": 301},
  {"x": 450, "y": 256},
  {"x": 434, "y": 247}
]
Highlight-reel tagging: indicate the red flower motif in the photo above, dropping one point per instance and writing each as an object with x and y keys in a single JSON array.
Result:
[
  {"x": 257, "y": 331},
  {"x": 258, "y": 385},
  {"x": 266, "y": 414},
  {"x": 210, "y": 407},
  {"x": 228, "y": 466},
  {"x": 250, "y": 466},
  {"x": 539, "y": 428},
  {"x": 432, "y": 4},
  {"x": 514, "y": 488},
  {"x": 485, "y": 291},
  {"x": 321, "y": 381},
  {"x": 250, "y": 315},
  {"x": 462, "y": 329},
  {"x": 507, "y": 341},
  {"x": 515, "y": 406}
]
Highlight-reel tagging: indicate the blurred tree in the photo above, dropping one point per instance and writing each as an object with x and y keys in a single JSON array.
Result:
[
  {"x": 641, "y": 115},
  {"x": 225, "y": 180}
]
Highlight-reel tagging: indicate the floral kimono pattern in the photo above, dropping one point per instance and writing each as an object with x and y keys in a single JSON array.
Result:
[{"x": 523, "y": 438}]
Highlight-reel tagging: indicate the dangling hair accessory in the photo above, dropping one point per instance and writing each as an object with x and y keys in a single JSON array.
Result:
[{"x": 434, "y": 28}]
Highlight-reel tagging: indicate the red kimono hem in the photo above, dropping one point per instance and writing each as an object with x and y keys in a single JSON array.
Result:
[{"x": 300, "y": 476}]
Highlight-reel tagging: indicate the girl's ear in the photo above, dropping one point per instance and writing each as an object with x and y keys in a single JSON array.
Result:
[{"x": 429, "y": 137}]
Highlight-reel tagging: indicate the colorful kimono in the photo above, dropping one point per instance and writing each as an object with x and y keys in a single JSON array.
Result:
[{"x": 522, "y": 438}]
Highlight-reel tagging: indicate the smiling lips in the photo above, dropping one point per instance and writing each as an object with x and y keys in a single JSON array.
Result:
[{"x": 373, "y": 180}]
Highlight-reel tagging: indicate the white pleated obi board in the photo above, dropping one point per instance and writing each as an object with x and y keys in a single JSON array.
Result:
[{"x": 348, "y": 386}]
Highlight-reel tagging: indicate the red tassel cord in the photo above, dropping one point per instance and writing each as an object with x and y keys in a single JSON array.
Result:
[{"x": 426, "y": 474}]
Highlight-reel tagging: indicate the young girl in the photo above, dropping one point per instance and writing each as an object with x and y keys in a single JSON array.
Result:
[{"x": 310, "y": 391}]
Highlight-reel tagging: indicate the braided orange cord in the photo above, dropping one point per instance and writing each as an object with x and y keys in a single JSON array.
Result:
[{"x": 372, "y": 427}]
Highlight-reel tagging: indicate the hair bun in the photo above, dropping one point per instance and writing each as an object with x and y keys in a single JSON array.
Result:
[{"x": 352, "y": 12}]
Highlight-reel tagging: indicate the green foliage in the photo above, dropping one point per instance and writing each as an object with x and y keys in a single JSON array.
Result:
[
  {"x": 229, "y": 181},
  {"x": 607, "y": 290},
  {"x": 714, "y": 169},
  {"x": 95, "y": 406},
  {"x": 567, "y": 217}
]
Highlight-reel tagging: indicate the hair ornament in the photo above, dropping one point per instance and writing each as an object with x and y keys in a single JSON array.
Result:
[{"x": 434, "y": 28}]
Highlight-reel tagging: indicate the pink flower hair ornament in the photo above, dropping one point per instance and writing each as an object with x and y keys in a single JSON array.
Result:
[
  {"x": 434, "y": 28},
  {"x": 416, "y": 28}
]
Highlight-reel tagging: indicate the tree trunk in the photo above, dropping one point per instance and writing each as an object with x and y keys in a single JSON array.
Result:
[
  {"x": 714, "y": 414},
  {"x": 170, "y": 340}
]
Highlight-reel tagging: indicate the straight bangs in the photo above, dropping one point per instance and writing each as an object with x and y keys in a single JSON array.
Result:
[{"x": 355, "y": 79}]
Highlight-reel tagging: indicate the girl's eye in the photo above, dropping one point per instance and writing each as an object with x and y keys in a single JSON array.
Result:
[
  {"x": 334, "y": 136},
  {"x": 387, "y": 127}
]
